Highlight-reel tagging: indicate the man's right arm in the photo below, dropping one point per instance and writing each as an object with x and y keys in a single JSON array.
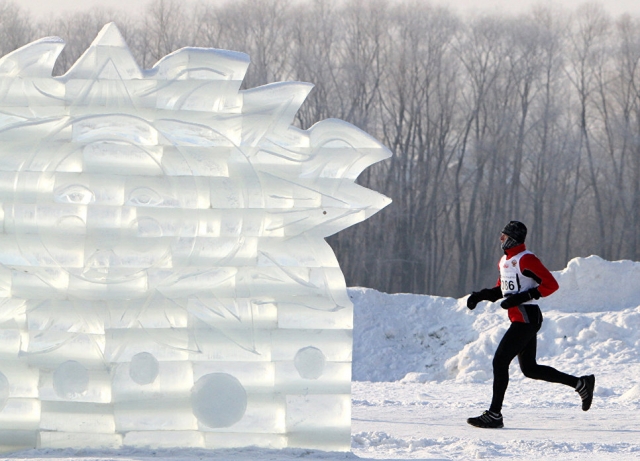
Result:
[{"x": 487, "y": 294}]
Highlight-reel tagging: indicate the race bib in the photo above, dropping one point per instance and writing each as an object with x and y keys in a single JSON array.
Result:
[{"x": 509, "y": 283}]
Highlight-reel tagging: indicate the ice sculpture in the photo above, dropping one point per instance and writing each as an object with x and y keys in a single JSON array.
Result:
[{"x": 164, "y": 275}]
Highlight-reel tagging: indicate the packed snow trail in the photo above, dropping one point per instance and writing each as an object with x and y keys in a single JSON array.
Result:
[{"x": 428, "y": 421}]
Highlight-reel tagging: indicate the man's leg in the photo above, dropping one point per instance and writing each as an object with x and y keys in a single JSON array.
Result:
[
  {"x": 531, "y": 369},
  {"x": 513, "y": 342},
  {"x": 584, "y": 385}
]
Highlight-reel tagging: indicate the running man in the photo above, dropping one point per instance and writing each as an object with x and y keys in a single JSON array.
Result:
[{"x": 523, "y": 278}]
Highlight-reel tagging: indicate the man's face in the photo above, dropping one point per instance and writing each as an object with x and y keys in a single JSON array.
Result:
[{"x": 503, "y": 238}]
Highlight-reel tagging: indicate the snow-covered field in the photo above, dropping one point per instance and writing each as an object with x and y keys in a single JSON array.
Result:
[{"x": 422, "y": 365}]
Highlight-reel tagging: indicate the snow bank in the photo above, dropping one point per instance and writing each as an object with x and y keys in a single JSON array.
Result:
[
  {"x": 592, "y": 322},
  {"x": 595, "y": 285},
  {"x": 398, "y": 334}
]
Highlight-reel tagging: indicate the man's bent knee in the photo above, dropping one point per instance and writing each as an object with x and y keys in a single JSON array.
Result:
[{"x": 531, "y": 371}]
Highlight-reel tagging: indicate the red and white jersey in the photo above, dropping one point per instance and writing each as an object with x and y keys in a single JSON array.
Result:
[
  {"x": 521, "y": 270},
  {"x": 512, "y": 280}
]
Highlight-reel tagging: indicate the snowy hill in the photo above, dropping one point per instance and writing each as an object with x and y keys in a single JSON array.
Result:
[{"x": 591, "y": 323}]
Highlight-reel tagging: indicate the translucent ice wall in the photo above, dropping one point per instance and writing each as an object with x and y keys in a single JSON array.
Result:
[{"x": 164, "y": 278}]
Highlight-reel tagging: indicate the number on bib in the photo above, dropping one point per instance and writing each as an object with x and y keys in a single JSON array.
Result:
[{"x": 508, "y": 285}]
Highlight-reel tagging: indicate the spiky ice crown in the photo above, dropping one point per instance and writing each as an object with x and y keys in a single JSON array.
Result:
[
  {"x": 190, "y": 98},
  {"x": 184, "y": 119}
]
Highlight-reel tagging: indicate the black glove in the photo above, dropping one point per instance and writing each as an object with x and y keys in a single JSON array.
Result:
[
  {"x": 486, "y": 294},
  {"x": 473, "y": 300},
  {"x": 520, "y": 298}
]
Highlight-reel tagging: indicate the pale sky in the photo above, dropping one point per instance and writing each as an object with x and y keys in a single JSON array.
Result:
[{"x": 46, "y": 8}]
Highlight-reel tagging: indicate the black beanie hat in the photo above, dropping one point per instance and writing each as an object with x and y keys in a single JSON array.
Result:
[{"x": 516, "y": 230}]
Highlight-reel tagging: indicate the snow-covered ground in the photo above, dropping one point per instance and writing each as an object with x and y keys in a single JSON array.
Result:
[{"x": 422, "y": 365}]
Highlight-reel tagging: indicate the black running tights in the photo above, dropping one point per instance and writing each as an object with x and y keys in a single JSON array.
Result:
[{"x": 520, "y": 340}]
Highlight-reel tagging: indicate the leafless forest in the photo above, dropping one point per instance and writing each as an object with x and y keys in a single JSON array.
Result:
[{"x": 490, "y": 118}]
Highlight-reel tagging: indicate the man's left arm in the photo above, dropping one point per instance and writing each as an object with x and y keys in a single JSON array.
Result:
[{"x": 532, "y": 267}]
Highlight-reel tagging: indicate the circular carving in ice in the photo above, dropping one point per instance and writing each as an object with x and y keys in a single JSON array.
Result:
[
  {"x": 4, "y": 390},
  {"x": 70, "y": 380},
  {"x": 218, "y": 400},
  {"x": 309, "y": 362},
  {"x": 143, "y": 368}
]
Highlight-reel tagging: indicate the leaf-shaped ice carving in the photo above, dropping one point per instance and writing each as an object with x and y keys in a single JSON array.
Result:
[{"x": 162, "y": 251}]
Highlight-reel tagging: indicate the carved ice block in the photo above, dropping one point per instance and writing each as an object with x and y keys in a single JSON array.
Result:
[{"x": 164, "y": 278}]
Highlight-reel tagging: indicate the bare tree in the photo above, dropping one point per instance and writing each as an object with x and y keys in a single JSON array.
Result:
[
  {"x": 262, "y": 29},
  {"x": 167, "y": 28},
  {"x": 587, "y": 41},
  {"x": 630, "y": 78},
  {"x": 15, "y": 28}
]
